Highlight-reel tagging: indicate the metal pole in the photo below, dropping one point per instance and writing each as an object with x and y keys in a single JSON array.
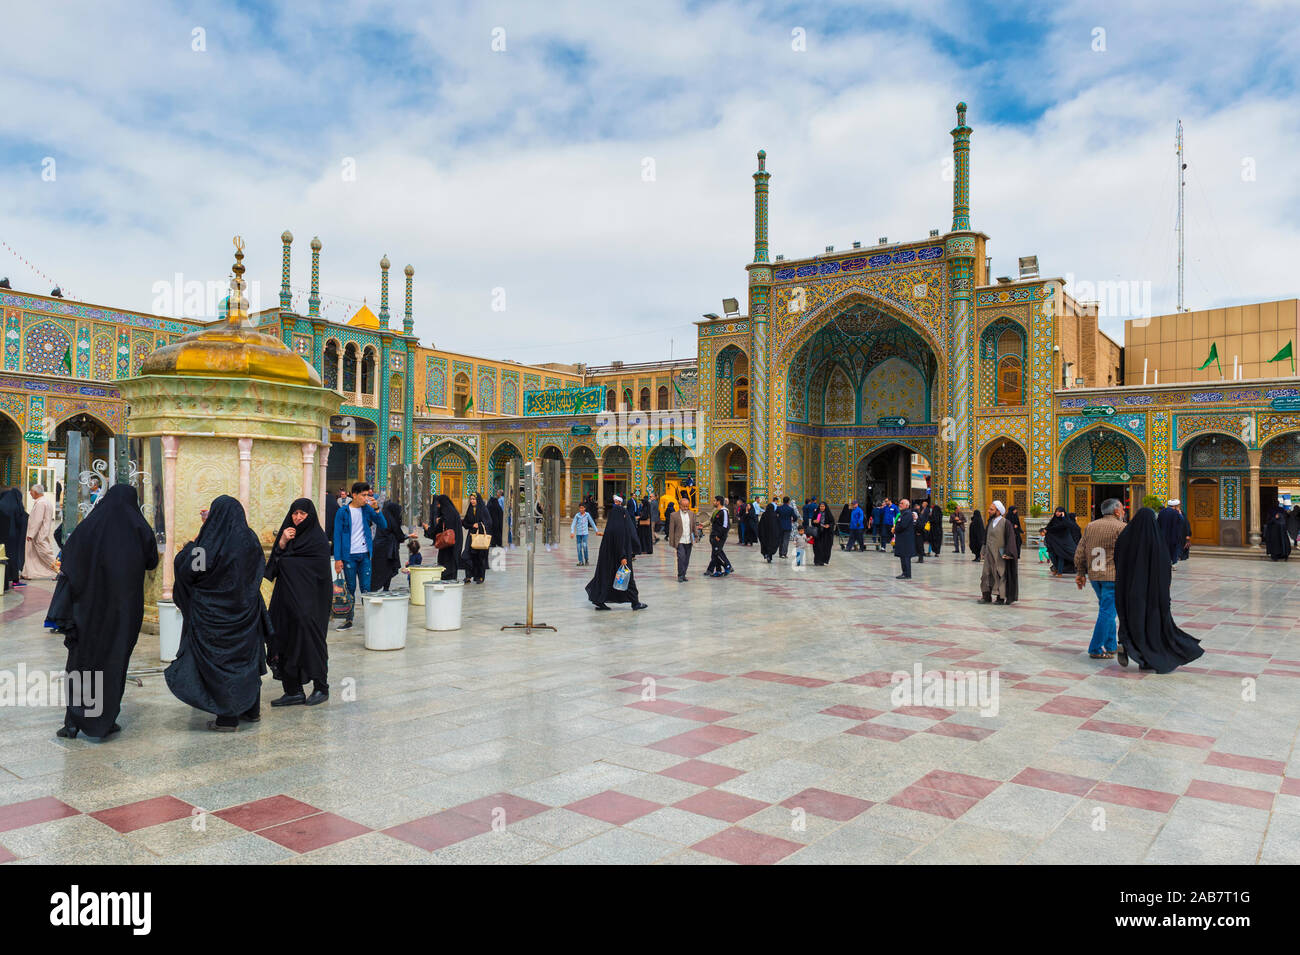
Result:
[{"x": 530, "y": 506}]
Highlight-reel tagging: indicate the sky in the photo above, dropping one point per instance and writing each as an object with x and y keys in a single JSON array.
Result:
[{"x": 571, "y": 181}]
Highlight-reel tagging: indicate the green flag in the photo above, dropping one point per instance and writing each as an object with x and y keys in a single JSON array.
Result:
[
  {"x": 1286, "y": 352},
  {"x": 67, "y": 359},
  {"x": 680, "y": 397},
  {"x": 469, "y": 405},
  {"x": 1213, "y": 357}
]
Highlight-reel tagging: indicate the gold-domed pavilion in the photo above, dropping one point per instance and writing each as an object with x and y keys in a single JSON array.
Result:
[{"x": 236, "y": 413}]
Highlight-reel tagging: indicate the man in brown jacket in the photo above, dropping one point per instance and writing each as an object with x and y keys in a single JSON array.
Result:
[
  {"x": 1094, "y": 559},
  {"x": 681, "y": 534}
]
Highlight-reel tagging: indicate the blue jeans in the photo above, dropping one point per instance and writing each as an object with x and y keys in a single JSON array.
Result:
[
  {"x": 1103, "y": 631},
  {"x": 356, "y": 569},
  {"x": 582, "y": 548}
]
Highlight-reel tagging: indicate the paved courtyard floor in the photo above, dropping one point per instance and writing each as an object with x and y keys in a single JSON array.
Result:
[{"x": 773, "y": 735}]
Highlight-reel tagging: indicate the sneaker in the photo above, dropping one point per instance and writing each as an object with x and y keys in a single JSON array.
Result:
[{"x": 346, "y": 625}]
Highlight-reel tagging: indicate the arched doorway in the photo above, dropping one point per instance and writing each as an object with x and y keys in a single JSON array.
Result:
[
  {"x": 460, "y": 395},
  {"x": 1216, "y": 471},
  {"x": 884, "y": 472},
  {"x": 1279, "y": 475},
  {"x": 618, "y": 474},
  {"x": 501, "y": 455},
  {"x": 91, "y": 474},
  {"x": 731, "y": 467},
  {"x": 582, "y": 463},
  {"x": 452, "y": 471},
  {"x": 664, "y": 465},
  {"x": 11, "y": 451},
  {"x": 1006, "y": 475},
  {"x": 1099, "y": 465}
]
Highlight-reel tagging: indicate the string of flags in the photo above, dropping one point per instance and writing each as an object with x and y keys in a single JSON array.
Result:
[
  {"x": 14, "y": 252},
  {"x": 1286, "y": 353}
]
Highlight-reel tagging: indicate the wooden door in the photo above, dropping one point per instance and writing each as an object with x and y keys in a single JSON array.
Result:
[
  {"x": 1203, "y": 511},
  {"x": 453, "y": 485}
]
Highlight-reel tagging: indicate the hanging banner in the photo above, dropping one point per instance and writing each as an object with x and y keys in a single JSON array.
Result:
[{"x": 563, "y": 401}]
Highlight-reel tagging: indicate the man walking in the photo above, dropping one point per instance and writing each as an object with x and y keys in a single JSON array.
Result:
[
  {"x": 681, "y": 534},
  {"x": 354, "y": 541},
  {"x": 719, "y": 565},
  {"x": 905, "y": 538},
  {"x": 582, "y": 525},
  {"x": 998, "y": 536},
  {"x": 1094, "y": 560},
  {"x": 857, "y": 524},
  {"x": 889, "y": 519},
  {"x": 786, "y": 515}
]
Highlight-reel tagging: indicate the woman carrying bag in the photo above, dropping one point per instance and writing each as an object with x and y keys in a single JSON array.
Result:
[
  {"x": 446, "y": 535},
  {"x": 478, "y": 523}
]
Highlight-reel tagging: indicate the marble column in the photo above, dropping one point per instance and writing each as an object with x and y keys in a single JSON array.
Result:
[
  {"x": 308, "y": 465},
  {"x": 1252, "y": 533},
  {"x": 600, "y": 487},
  {"x": 171, "y": 445},
  {"x": 245, "y": 471},
  {"x": 568, "y": 487},
  {"x": 322, "y": 463}
]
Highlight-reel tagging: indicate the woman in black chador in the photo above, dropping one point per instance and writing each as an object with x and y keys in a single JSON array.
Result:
[
  {"x": 618, "y": 548},
  {"x": 976, "y": 533},
  {"x": 769, "y": 533},
  {"x": 1059, "y": 539},
  {"x": 100, "y": 607},
  {"x": 222, "y": 655},
  {"x": 645, "y": 526},
  {"x": 1016, "y": 540},
  {"x": 477, "y": 520},
  {"x": 387, "y": 558},
  {"x": 300, "y": 605},
  {"x": 13, "y": 534},
  {"x": 1277, "y": 543},
  {"x": 1147, "y": 632},
  {"x": 443, "y": 516},
  {"x": 823, "y": 534}
]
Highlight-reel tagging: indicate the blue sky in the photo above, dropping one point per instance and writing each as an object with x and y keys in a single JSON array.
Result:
[{"x": 522, "y": 169}]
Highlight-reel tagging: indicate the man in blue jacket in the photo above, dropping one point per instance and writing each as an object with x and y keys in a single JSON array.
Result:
[
  {"x": 354, "y": 542},
  {"x": 887, "y": 523},
  {"x": 785, "y": 515},
  {"x": 877, "y": 522},
  {"x": 857, "y": 522}
]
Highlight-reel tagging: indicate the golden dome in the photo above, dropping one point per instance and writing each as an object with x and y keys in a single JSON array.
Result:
[
  {"x": 231, "y": 349},
  {"x": 364, "y": 318}
]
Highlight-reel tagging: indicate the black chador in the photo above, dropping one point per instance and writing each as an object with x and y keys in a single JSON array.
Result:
[
  {"x": 300, "y": 606},
  {"x": 13, "y": 533},
  {"x": 1147, "y": 632},
  {"x": 387, "y": 558},
  {"x": 618, "y": 546},
  {"x": 222, "y": 655},
  {"x": 477, "y": 520},
  {"x": 769, "y": 533},
  {"x": 976, "y": 534},
  {"x": 443, "y": 516},
  {"x": 101, "y": 606}
]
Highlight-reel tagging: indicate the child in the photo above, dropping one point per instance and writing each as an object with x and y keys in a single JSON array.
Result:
[
  {"x": 1042, "y": 553},
  {"x": 416, "y": 558}
]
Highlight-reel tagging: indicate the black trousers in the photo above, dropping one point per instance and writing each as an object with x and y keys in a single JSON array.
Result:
[
  {"x": 293, "y": 686},
  {"x": 907, "y": 566},
  {"x": 683, "y": 558},
  {"x": 785, "y": 543},
  {"x": 718, "y": 562},
  {"x": 856, "y": 535}
]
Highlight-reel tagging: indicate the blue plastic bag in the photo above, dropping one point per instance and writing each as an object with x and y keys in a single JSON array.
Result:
[{"x": 622, "y": 577}]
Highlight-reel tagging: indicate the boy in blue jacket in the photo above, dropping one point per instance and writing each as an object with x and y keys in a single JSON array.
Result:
[{"x": 354, "y": 541}]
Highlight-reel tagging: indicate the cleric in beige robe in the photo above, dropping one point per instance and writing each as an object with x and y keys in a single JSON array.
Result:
[
  {"x": 40, "y": 554},
  {"x": 993, "y": 569}
]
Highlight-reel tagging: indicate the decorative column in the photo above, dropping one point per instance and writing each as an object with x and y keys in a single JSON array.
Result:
[
  {"x": 568, "y": 486},
  {"x": 321, "y": 490},
  {"x": 245, "y": 471},
  {"x": 957, "y": 435},
  {"x": 408, "y": 318},
  {"x": 313, "y": 301},
  {"x": 600, "y": 485},
  {"x": 171, "y": 445},
  {"x": 383, "y": 291},
  {"x": 760, "y": 294},
  {"x": 1175, "y": 482},
  {"x": 308, "y": 465},
  {"x": 1252, "y": 531},
  {"x": 286, "y": 297}
]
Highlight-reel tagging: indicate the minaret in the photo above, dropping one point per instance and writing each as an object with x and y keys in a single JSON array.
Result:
[
  {"x": 313, "y": 302},
  {"x": 408, "y": 319},
  {"x": 383, "y": 291},
  {"x": 760, "y": 208},
  {"x": 286, "y": 298},
  {"x": 961, "y": 172}
]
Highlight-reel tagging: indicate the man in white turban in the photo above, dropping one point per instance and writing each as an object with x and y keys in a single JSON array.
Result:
[
  {"x": 40, "y": 552},
  {"x": 993, "y": 569}
]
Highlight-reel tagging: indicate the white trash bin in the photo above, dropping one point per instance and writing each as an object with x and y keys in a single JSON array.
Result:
[
  {"x": 442, "y": 603},
  {"x": 419, "y": 574},
  {"x": 383, "y": 615},
  {"x": 170, "y": 622}
]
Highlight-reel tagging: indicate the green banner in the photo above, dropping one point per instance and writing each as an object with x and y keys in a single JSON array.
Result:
[
  {"x": 1098, "y": 411},
  {"x": 562, "y": 401},
  {"x": 891, "y": 422},
  {"x": 1111, "y": 477}
]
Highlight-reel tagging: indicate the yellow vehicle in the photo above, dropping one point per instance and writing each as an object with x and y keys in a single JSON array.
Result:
[{"x": 673, "y": 491}]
